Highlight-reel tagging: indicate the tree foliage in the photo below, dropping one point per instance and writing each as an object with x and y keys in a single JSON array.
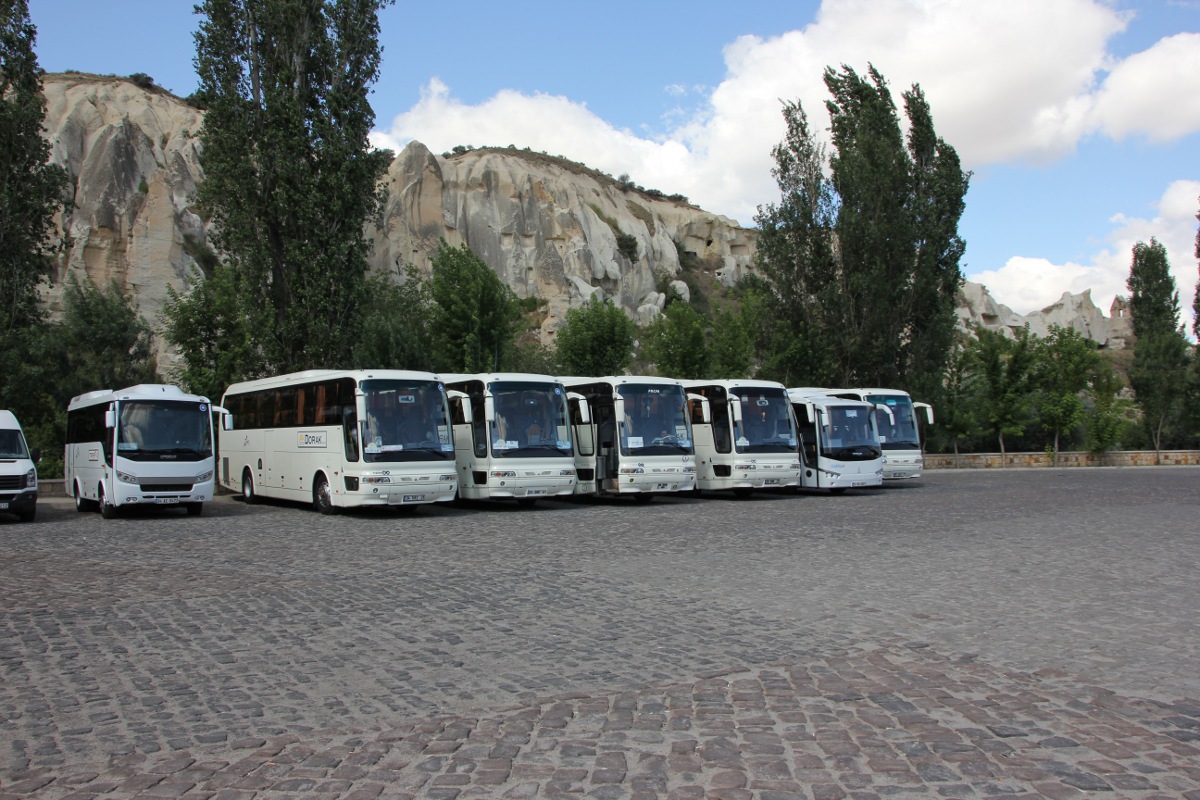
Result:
[
  {"x": 476, "y": 316},
  {"x": 290, "y": 179},
  {"x": 596, "y": 339},
  {"x": 1005, "y": 368},
  {"x": 676, "y": 342},
  {"x": 31, "y": 189},
  {"x": 862, "y": 253},
  {"x": 1064, "y": 365},
  {"x": 1160, "y": 363},
  {"x": 397, "y": 324}
]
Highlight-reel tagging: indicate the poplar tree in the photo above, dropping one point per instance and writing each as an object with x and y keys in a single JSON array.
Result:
[
  {"x": 861, "y": 255},
  {"x": 290, "y": 180},
  {"x": 1159, "y": 374},
  {"x": 31, "y": 189}
]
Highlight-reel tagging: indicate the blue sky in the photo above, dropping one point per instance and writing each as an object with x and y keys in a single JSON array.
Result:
[{"x": 1080, "y": 119}]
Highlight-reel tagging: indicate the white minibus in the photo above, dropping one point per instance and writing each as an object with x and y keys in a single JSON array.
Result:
[
  {"x": 149, "y": 444},
  {"x": 18, "y": 470}
]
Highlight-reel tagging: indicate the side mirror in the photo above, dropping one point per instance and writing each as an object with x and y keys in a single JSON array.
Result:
[
  {"x": 35, "y": 454},
  {"x": 580, "y": 402},
  {"x": 735, "y": 404},
  {"x": 110, "y": 419},
  {"x": 928, "y": 411},
  {"x": 489, "y": 409}
]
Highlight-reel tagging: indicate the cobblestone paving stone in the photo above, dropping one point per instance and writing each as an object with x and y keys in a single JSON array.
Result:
[{"x": 1026, "y": 633}]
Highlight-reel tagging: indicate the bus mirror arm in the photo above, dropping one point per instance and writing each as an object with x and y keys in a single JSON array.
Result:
[{"x": 584, "y": 412}]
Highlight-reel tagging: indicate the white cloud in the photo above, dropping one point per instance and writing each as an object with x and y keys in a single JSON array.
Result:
[
  {"x": 1154, "y": 93},
  {"x": 1028, "y": 284}
]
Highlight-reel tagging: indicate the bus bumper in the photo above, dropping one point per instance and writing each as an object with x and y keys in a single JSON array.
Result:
[
  {"x": 897, "y": 468},
  {"x": 18, "y": 502}
]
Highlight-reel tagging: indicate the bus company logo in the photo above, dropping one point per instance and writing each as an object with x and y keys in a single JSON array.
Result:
[{"x": 311, "y": 439}]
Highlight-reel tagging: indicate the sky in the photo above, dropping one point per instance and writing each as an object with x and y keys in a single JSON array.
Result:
[{"x": 1079, "y": 119}]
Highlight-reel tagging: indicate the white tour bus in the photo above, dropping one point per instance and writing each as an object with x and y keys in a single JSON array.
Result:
[
  {"x": 632, "y": 436},
  {"x": 339, "y": 439},
  {"x": 149, "y": 444},
  {"x": 512, "y": 436},
  {"x": 899, "y": 433},
  {"x": 746, "y": 439},
  {"x": 839, "y": 441}
]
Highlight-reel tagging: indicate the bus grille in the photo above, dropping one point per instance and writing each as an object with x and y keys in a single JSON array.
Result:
[{"x": 12, "y": 481}]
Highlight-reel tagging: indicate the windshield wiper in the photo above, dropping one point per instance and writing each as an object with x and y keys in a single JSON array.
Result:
[{"x": 543, "y": 446}]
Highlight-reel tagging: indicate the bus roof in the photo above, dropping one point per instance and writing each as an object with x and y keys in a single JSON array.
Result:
[
  {"x": 328, "y": 374},
  {"x": 142, "y": 391},
  {"x": 492, "y": 377}
]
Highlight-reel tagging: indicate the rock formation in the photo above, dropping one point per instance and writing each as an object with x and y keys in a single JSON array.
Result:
[
  {"x": 549, "y": 227},
  {"x": 976, "y": 307}
]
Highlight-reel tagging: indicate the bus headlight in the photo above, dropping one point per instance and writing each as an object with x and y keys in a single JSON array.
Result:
[
  {"x": 376, "y": 479},
  {"x": 447, "y": 477},
  {"x": 689, "y": 469},
  {"x": 204, "y": 476},
  {"x": 125, "y": 477},
  {"x": 31, "y": 479},
  {"x": 745, "y": 466},
  {"x": 632, "y": 471},
  {"x": 504, "y": 473},
  {"x": 566, "y": 473}
]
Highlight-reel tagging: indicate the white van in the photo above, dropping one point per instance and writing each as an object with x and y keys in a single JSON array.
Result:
[{"x": 18, "y": 473}]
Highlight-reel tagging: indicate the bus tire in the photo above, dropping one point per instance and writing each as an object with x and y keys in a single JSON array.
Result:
[
  {"x": 195, "y": 509},
  {"x": 82, "y": 504},
  {"x": 323, "y": 496},
  {"x": 248, "y": 495},
  {"x": 107, "y": 509}
]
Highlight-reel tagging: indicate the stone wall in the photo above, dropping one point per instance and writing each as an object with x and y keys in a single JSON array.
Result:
[{"x": 1126, "y": 458}]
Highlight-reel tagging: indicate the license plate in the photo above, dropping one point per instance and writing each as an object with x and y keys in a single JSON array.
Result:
[
  {"x": 412, "y": 498},
  {"x": 771, "y": 482},
  {"x": 662, "y": 487},
  {"x": 165, "y": 501},
  {"x": 859, "y": 483},
  {"x": 532, "y": 492},
  {"x": 3, "y": 506}
]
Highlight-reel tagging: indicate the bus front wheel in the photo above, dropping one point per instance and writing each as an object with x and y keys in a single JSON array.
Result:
[
  {"x": 322, "y": 496},
  {"x": 107, "y": 509}
]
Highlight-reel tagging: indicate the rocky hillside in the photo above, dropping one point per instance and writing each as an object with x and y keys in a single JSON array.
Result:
[{"x": 549, "y": 227}]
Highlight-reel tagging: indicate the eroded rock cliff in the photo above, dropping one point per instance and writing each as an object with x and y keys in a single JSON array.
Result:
[{"x": 549, "y": 227}]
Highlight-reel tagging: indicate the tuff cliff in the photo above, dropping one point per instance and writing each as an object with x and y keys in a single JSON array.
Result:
[{"x": 549, "y": 227}]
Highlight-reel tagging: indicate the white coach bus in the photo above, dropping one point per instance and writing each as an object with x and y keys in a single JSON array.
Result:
[
  {"x": 339, "y": 439},
  {"x": 899, "y": 433},
  {"x": 148, "y": 444},
  {"x": 839, "y": 441},
  {"x": 748, "y": 440},
  {"x": 516, "y": 440},
  {"x": 633, "y": 436}
]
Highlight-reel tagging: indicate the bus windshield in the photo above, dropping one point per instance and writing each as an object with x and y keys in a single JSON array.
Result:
[
  {"x": 655, "y": 420},
  {"x": 768, "y": 425},
  {"x": 12, "y": 444},
  {"x": 164, "y": 430},
  {"x": 531, "y": 420},
  {"x": 900, "y": 432},
  {"x": 404, "y": 420},
  {"x": 846, "y": 434}
]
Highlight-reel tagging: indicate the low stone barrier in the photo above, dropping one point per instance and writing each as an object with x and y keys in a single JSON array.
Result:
[{"x": 1122, "y": 458}]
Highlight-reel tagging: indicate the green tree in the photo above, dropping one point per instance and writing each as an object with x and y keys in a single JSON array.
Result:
[
  {"x": 1160, "y": 358},
  {"x": 796, "y": 256},
  {"x": 476, "y": 317},
  {"x": 290, "y": 180},
  {"x": 962, "y": 410},
  {"x": 1107, "y": 419},
  {"x": 730, "y": 344},
  {"x": 216, "y": 328},
  {"x": 595, "y": 340},
  {"x": 1064, "y": 364},
  {"x": 1005, "y": 369},
  {"x": 397, "y": 324},
  {"x": 677, "y": 343},
  {"x": 862, "y": 254},
  {"x": 31, "y": 190}
]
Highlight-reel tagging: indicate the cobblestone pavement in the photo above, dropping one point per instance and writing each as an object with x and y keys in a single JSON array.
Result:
[{"x": 973, "y": 634}]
